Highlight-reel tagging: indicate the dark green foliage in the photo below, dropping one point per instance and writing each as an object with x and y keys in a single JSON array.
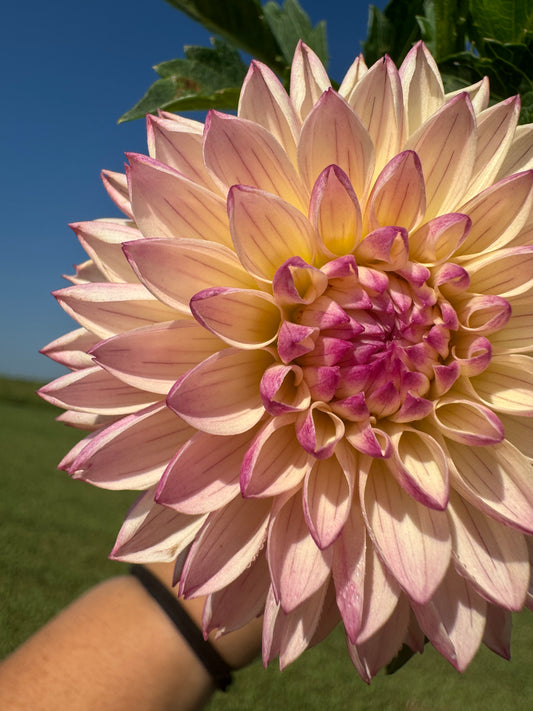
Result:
[
  {"x": 469, "y": 39},
  {"x": 211, "y": 78}
]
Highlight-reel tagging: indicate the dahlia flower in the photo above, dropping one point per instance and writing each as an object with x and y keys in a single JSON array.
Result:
[{"x": 309, "y": 344}]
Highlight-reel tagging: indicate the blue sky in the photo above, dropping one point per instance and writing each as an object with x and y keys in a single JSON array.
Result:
[{"x": 69, "y": 71}]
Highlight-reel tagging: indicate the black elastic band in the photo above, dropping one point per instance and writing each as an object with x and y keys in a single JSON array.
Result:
[{"x": 206, "y": 653}]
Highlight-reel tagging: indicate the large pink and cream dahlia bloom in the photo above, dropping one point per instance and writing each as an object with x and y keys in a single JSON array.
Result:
[{"x": 309, "y": 343}]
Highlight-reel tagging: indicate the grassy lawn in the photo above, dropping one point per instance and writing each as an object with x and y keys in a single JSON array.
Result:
[{"x": 54, "y": 540}]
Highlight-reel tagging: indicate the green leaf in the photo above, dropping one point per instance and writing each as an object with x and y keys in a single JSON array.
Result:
[
  {"x": 502, "y": 20},
  {"x": 526, "y": 114},
  {"x": 393, "y": 31},
  {"x": 450, "y": 22},
  {"x": 241, "y": 22},
  {"x": 290, "y": 24},
  {"x": 206, "y": 78}
]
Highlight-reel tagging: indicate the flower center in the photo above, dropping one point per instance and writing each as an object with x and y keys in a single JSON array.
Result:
[{"x": 367, "y": 341}]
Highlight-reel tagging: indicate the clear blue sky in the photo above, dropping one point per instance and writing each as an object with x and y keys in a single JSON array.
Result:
[{"x": 69, "y": 71}]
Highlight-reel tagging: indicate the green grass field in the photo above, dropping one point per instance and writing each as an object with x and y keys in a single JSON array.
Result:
[{"x": 54, "y": 540}]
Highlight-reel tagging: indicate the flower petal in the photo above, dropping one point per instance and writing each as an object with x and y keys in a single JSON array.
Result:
[
  {"x": 334, "y": 211},
  {"x": 327, "y": 498},
  {"x": 241, "y": 152},
  {"x": 298, "y": 567},
  {"x": 468, "y": 422},
  {"x": 102, "y": 240},
  {"x": 177, "y": 142},
  {"x": 495, "y": 130},
  {"x": 309, "y": 79},
  {"x": 227, "y": 543},
  {"x": 154, "y": 357},
  {"x": 493, "y": 557},
  {"x": 94, "y": 390},
  {"x": 333, "y": 134},
  {"x": 419, "y": 465},
  {"x": 108, "y": 309},
  {"x": 267, "y": 231},
  {"x": 497, "y": 480},
  {"x": 498, "y": 214},
  {"x": 275, "y": 462},
  {"x": 116, "y": 185},
  {"x": 413, "y": 541},
  {"x": 221, "y": 395},
  {"x": 398, "y": 196},
  {"x": 244, "y": 318},
  {"x": 216, "y": 463},
  {"x": 377, "y": 100},
  {"x": 446, "y": 145},
  {"x": 453, "y": 620},
  {"x": 507, "y": 384},
  {"x": 423, "y": 91},
  {"x": 166, "y": 204},
  {"x": 176, "y": 270},
  {"x": 153, "y": 533},
  {"x": 133, "y": 452},
  {"x": 264, "y": 101}
]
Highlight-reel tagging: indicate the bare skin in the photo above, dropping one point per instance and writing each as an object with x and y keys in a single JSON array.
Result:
[{"x": 114, "y": 649}]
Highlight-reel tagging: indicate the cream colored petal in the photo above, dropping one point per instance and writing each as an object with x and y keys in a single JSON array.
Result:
[
  {"x": 96, "y": 391},
  {"x": 309, "y": 79},
  {"x": 495, "y": 131},
  {"x": 515, "y": 336},
  {"x": 446, "y": 146},
  {"x": 334, "y": 211},
  {"x": 518, "y": 433},
  {"x": 419, "y": 465},
  {"x": 498, "y": 214},
  {"x": 275, "y": 462},
  {"x": 175, "y": 270},
  {"x": 72, "y": 349},
  {"x": 466, "y": 421},
  {"x": 178, "y": 143},
  {"x": 134, "y": 452},
  {"x": 352, "y": 77},
  {"x": 505, "y": 272},
  {"x": 498, "y": 480},
  {"x": 102, "y": 240},
  {"x": 153, "y": 533},
  {"x": 108, "y": 309},
  {"x": 454, "y": 620},
  {"x": 242, "y": 152},
  {"x": 298, "y": 568},
  {"x": 154, "y": 357},
  {"x": 423, "y": 91},
  {"x": 479, "y": 94},
  {"x": 520, "y": 154},
  {"x": 413, "y": 541},
  {"x": 333, "y": 134},
  {"x": 377, "y": 100},
  {"x": 398, "y": 196},
  {"x": 168, "y": 205},
  {"x": 221, "y": 395},
  {"x": 507, "y": 384},
  {"x": 244, "y": 318},
  {"x": 493, "y": 557},
  {"x": 327, "y": 498},
  {"x": 380, "y": 596},
  {"x": 228, "y": 542},
  {"x": 267, "y": 231},
  {"x": 264, "y": 100},
  {"x": 215, "y": 462},
  {"x": 116, "y": 185}
]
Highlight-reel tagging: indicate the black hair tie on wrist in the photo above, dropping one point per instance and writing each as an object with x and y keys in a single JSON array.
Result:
[{"x": 219, "y": 670}]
